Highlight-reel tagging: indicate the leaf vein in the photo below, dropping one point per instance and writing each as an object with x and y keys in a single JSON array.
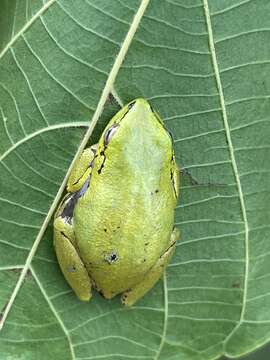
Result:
[
  {"x": 233, "y": 161},
  {"x": 25, "y": 27}
]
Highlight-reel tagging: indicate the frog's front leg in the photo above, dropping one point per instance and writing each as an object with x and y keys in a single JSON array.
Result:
[
  {"x": 132, "y": 295},
  {"x": 69, "y": 260},
  {"x": 81, "y": 169}
]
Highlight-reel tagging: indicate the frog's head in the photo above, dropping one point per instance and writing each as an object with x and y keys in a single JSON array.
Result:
[{"x": 136, "y": 127}]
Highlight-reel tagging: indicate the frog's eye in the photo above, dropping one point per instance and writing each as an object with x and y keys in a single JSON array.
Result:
[
  {"x": 130, "y": 105},
  {"x": 109, "y": 133}
]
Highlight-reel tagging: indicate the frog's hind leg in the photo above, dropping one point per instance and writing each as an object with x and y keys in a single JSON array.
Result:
[
  {"x": 132, "y": 295},
  {"x": 70, "y": 262}
]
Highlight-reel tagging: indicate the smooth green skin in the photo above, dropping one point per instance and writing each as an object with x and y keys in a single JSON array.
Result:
[{"x": 119, "y": 234}]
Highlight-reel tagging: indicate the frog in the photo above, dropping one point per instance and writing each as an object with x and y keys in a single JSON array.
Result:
[{"x": 114, "y": 229}]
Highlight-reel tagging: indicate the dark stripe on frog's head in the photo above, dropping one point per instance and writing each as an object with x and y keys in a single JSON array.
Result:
[{"x": 111, "y": 130}]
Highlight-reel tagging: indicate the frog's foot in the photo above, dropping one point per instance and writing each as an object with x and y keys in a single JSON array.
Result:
[
  {"x": 81, "y": 169},
  {"x": 70, "y": 263},
  {"x": 132, "y": 295}
]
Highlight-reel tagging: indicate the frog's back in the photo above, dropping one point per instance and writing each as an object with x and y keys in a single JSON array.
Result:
[{"x": 129, "y": 206}]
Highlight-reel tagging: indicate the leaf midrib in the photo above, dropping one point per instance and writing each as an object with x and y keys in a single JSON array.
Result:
[{"x": 233, "y": 161}]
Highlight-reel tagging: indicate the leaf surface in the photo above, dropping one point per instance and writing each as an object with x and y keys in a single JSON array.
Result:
[{"x": 204, "y": 67}]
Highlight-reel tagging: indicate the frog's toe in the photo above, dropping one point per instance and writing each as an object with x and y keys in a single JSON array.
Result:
[
  {"x": 124, "y": 298},
  {"x": 106, "y": 294}
]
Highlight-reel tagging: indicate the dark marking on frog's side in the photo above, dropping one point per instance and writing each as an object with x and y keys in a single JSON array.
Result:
[
  {"x": 71, "y": 201},
  {"x": 67, "y": 212},
  {"x": 105, "y": 230},
  {"x": 147, "y": 243},
  {"x": 83, "y": 189},
  {"x": 173, "y": 183},
  {"x": 101, "y": 293},
  {"x": 168, "y": 248}
]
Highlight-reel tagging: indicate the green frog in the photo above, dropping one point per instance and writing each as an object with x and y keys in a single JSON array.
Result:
[{"x": 114, "y": 229}]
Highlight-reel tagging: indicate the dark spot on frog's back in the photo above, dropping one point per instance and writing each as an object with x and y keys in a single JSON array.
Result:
[{"x": 112, "y": 257}]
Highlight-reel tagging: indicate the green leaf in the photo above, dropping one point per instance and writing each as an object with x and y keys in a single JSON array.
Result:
[{"x": 204, "y": 66}]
